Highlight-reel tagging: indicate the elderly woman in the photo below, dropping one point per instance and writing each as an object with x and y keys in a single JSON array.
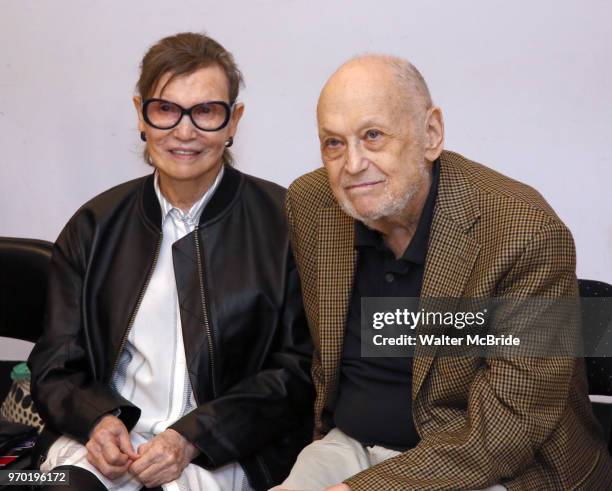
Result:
[{"x": 175, "y": 351}]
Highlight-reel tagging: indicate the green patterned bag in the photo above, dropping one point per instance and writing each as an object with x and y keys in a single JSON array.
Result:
[{"x": 18, "y": 405}]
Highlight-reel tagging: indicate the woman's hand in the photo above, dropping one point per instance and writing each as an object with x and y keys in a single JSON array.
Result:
[
  {"x": 163, "y": 458},
  {"x": 109, "y": 448}
]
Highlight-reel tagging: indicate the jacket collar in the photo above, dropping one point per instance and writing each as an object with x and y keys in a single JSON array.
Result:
[
  {"x": 222, "y": 199},
  {"x": 452, "y": 250},
  {"x": 451, "y": 255}
]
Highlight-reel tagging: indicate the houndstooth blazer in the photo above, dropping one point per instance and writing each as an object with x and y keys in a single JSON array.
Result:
[{"x": 525, "y": 423}]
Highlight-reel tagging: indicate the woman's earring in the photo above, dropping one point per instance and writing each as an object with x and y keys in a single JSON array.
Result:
[
  {"x": 229, "y": 142},
  {"x": 143, "y": 137}
]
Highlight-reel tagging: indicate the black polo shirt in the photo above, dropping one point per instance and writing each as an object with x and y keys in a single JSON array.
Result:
[{"x": 374, "y": 403}]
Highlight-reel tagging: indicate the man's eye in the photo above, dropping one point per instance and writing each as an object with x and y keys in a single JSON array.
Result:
[
  {"x": 373, "y": 134},
  {"x": 332, "y": 143}
]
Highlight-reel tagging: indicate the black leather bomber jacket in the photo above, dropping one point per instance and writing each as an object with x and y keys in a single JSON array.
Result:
[{"x": 247, "y": 343}]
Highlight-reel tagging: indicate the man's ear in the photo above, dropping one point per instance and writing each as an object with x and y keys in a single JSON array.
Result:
[
  {"x": 434, "y": 133},
  {"x": 137, "y": 101}
]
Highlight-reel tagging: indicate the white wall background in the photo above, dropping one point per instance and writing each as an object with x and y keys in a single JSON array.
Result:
[{"x": 525, "y": 87}]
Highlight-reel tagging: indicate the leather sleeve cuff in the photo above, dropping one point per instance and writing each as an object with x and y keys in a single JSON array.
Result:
[
  {"x": 213, "y": 454},
  {"x": 127, "y": 413}
]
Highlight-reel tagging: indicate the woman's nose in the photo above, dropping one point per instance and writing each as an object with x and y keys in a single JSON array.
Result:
[{"x": 185, "y": 130}]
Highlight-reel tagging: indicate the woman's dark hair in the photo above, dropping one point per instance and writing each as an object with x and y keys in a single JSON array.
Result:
[{"x": 183, "y": 54}]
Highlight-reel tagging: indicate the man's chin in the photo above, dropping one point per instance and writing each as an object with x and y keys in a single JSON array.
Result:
[
  {"x": 370, "y": 211},
  {"x": 363, "y": 214}
]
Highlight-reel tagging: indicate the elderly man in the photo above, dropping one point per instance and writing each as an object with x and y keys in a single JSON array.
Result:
[{"x": 392, "y": 214}]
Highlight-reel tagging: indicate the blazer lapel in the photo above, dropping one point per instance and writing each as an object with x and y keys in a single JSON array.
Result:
[
  {"x": 336, "y": 265},
  {"x": 452, "y": 251}
]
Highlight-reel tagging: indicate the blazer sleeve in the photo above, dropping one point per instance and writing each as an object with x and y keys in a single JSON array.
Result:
[
  {"x": 66, "y": 392},
  {"x": 514, "y": 404},
  {"x": 316, "y": 369}
]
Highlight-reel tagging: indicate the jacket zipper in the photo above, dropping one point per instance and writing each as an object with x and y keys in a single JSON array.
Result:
[
  {"x": 138, "y": 302},
  {"x": 211, "y": 353},
  {"x": 211, "y": 357},
  {"x": 264, "y": 469}
]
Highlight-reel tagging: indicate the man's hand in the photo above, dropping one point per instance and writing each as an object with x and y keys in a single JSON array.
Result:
[
  {"x": 163, "y": 458},
  {"x": 109, "y": 448}
]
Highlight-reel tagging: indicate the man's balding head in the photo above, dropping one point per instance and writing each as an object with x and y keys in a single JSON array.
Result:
[{"x": 398, "y": 78}]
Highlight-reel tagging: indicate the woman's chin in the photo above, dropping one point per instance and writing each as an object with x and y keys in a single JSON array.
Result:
[{"x": 187, "y": 171}]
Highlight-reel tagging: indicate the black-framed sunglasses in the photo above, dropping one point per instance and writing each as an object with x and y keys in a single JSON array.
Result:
[{"x": 206, "y": 116}]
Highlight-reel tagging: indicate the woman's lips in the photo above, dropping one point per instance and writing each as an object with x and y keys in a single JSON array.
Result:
[{"x": 184, "y": 154}]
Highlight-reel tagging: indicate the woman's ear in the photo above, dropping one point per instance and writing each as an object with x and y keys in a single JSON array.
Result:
[
  {"x": 137, "y": 101},
  {"x": 235, "y": 119}
]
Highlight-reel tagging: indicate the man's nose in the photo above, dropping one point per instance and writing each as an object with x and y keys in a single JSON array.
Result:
[
  {"x": 356, "y": 160},
  {"x": 185, "y": 130}
]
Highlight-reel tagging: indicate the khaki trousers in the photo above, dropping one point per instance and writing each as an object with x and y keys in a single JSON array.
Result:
[{"x": 333, "y": 459}]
